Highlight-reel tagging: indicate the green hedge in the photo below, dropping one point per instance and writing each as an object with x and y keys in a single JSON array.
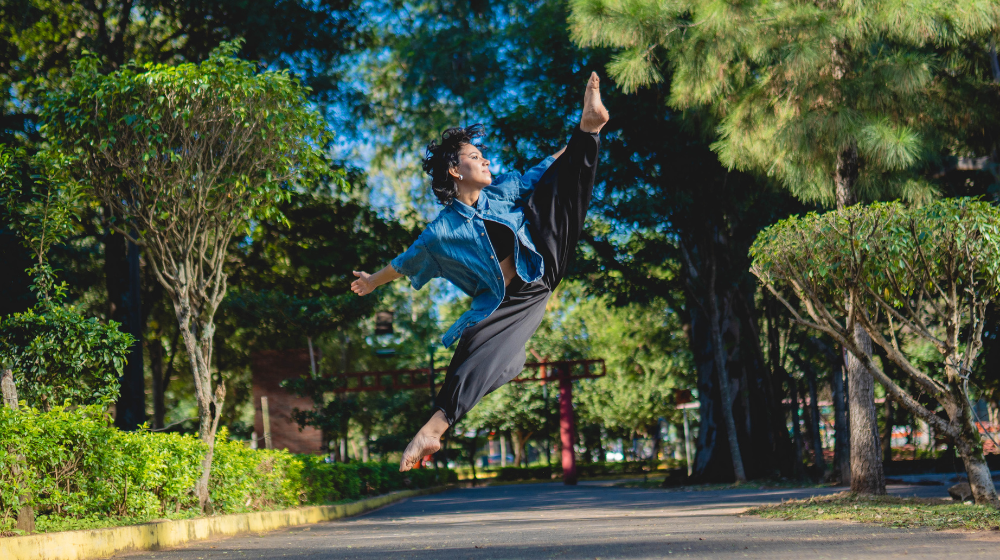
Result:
[{"x": 82, "y": 472}]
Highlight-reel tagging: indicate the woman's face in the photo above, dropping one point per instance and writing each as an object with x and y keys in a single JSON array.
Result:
[{"x": 473, "y": 168}]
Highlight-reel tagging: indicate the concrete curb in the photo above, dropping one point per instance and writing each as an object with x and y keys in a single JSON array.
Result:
[{"x": 100, "y": 543}]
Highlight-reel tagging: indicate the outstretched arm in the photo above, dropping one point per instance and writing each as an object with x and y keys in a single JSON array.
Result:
[
  {"x": 366, "y": 283},
  {"x": 559, "y": 153}
]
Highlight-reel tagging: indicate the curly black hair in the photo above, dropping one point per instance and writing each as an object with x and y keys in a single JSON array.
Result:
[{"x": 442, "y": 157}]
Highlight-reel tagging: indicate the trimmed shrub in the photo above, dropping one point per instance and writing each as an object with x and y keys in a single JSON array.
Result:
[
  {"x": 79, "y": 472},
  {"x": 336, "y": 482}
]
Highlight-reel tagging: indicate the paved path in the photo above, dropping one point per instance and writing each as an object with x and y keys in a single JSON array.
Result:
[{"x": 589, "y": 521}]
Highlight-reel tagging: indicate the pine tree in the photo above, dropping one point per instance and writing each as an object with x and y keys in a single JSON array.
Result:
[{"x": 837, "y": 101}]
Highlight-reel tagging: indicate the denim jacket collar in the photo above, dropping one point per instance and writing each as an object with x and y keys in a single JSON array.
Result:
[{"x": 466, "y": 211}]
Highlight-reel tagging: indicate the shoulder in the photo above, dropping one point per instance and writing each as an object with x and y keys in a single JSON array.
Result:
[
  {"x": 505, "y": 186},
  {"x": 440, "y": 225}
]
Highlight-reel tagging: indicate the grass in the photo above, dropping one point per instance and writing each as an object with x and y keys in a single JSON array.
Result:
[{"x": 888, "y": 511}]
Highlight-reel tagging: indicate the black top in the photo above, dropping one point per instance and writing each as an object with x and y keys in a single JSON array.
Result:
[{"x": 502, "y": 239}]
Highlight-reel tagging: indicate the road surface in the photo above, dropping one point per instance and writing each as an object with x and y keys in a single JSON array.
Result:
[{"x": 530, "y": 521}]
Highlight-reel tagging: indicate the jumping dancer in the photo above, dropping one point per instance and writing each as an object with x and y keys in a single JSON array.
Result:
[{"x": 505, "y": 241}]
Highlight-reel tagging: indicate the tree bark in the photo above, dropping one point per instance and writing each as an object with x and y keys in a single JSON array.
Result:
[
  {"x": 867, "y": 476},
  {"x": 26, "y": 514},
  {"x": 720, "y": 358},
  {"x": 969, "y": 442},
  {"x": 970, "y": 448},
  {"x": 198, "y": 345},
  {"x": 866, "y": 461}
]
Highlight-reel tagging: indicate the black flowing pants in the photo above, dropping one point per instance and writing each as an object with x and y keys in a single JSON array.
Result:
[{"x": 492, "y": 352}]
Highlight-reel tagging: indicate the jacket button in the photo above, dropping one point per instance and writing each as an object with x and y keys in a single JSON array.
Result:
[
  {"x": 491, "y": 257},
  {"x": 481, "y": 234}
]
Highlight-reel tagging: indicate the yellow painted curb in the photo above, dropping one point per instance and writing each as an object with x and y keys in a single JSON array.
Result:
[{"x": 100, "y": 543}]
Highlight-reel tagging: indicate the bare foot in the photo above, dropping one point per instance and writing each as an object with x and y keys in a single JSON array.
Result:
[
  {"x": 595, "y": 116},
  {"x": 420, "y": 446},
  {"x": 426, "y": 442}
]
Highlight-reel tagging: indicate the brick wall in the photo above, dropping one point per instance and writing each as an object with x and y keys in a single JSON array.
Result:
[{"x": 270, "y": 368}]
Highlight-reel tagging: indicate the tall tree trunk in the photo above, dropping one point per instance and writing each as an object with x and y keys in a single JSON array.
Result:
[
  {"x": 867, "y": 476},
  {"x": 123, "y": 279},
  {"x": 866, "y": 461},
  {"x": 994, "y": 64},
  {"x": 720, "y": 359},
  {"x": 654, "y": 431},
  {"x": 197, "y": 336}
]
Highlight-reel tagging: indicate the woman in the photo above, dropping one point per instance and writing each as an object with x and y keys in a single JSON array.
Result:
[{"x": 506, "y": 242}]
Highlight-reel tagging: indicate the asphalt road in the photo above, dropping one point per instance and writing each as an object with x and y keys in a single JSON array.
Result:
[{"x": 589, "y": 521}]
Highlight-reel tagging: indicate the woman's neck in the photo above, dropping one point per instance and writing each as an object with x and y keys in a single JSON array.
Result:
[{"x": 469, "y": 197}]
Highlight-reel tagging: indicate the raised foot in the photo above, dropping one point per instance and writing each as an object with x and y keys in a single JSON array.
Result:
[
  {"x": 595, "y": 115},
  {"x": 421, "y": 446}
]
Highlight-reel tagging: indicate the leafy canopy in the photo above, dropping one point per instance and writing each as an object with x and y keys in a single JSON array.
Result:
[
  {"x": 794, "y": 84},
  {"x": 912, "y": 277},
  {"x": 56, "y": 353}
]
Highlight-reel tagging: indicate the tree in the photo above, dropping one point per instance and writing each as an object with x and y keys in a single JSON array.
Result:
[
  {"x": 913, "y": 276},
  {"x": 186, "y": 156},
  {"x": 42, "y": 41},
  {"x": 838, "y": 101},
  {"x": 56, "y": 353}
]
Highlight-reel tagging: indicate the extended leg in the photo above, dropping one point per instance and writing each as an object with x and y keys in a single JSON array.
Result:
[{"x": 558, "y": 207}]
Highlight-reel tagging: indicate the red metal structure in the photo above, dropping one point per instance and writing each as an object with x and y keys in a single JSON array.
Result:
[{"x": 565, "y": 371}]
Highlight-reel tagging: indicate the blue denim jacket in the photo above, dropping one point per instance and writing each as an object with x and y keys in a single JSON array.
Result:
[{"x": 455, "y": 246}]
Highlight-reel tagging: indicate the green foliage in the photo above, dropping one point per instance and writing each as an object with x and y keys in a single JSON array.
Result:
[
  {"x": 55, "y": 352},
  {"x": 335, "y": 482},
  {"x": 81, "y": 472},
  {"x": 59, "y": 355},
  {"x": 43, "y": 39},
  {"x": 43, "y": 211},
  {"x": 911, "y": 277},
  {"x": 796, "y": 84},
  {"x": 892, "y": 253},
  {"x": 166, "y": 144},
  {"x": 645, "y": 352}
]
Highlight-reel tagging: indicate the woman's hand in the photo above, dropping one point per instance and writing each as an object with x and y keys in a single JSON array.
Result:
[{"x": 363, "y": 285}]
